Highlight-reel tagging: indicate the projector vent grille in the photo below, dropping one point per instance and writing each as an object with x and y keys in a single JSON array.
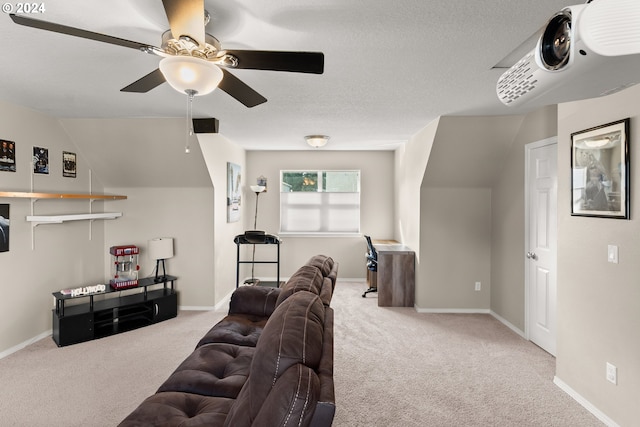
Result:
[{"x": 518, "y": 80}]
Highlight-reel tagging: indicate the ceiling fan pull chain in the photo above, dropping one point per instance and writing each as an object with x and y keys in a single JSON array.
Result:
[{"x": 190, "y": 95}]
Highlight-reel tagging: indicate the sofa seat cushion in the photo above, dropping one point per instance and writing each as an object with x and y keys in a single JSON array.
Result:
[
  {"x": 236, "y": 329},
  {"x": 212, "y": 370},
  {"x": 175, "y": 409},
  {"x": 306, "y": 278}
]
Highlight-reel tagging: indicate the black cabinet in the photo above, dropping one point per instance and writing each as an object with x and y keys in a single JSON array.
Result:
[{"x": 118, "y": 311}]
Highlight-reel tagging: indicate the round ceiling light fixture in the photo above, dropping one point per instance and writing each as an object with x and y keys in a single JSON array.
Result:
[{"x": 317, "y": 141}]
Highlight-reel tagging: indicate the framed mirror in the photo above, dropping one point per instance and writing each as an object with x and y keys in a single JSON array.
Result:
[{"x": 600, "y": 171}]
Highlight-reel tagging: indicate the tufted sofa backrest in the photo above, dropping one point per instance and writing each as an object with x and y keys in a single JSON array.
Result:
[
  {"x": 323, "y": 262},
  {"x": 306, "y": 278},
  {"x": 283, "y": 387}
]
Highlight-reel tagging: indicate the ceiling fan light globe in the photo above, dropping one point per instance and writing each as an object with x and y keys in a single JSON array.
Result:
[{"x": 188, "y": 74}]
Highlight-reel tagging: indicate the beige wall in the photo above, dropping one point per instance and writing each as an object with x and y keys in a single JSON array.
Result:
[
  {"x": 181, "y": 213},
  {"x": 217, "y": 151},
  {"x": 456, "y": 249},
  {"x": 507, "y": 222},
  {"x": 376, "y": 209},
  {"x": 599, "y": 302},
  {"x": 65, "y": 255},
  {"x": 410, "y": 163},
  {"x": 456, "y": 215}
]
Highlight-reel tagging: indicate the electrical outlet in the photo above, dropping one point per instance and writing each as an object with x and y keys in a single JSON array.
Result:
[
  {"x": 612, "y": 373},
  {"x": 478, "y": 286}
]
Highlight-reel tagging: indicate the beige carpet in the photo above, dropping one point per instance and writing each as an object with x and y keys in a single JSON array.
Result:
[{"x": 393, "y": 367}]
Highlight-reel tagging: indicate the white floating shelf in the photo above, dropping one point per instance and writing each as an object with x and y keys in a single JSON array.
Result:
[
  {"x": 21, "y": 194},
  {"x": 58, "y": 219}
]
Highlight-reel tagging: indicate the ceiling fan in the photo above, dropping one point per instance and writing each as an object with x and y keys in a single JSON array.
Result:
[{"x": 187, "y": 42}]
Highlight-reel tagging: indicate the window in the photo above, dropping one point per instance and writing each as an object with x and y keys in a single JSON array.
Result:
[{"x": 320, "y": 202}]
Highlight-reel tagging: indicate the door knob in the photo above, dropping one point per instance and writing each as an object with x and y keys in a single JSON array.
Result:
[{"x": 532, "y": 255}]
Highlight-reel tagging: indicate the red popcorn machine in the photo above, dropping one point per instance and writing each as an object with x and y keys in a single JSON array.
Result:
[{"x": 124, "y": 267}]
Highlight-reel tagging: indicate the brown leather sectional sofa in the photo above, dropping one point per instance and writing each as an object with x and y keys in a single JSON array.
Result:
[{"x": 269, "y": 362}]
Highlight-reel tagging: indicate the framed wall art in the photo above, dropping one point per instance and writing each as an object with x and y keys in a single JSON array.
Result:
[
  {"x": 600, "y": 171},
  {"x": 7, "y": 155},
  {"x": 262, "y": 181},
  {"x": 4, "y": 227},
  {"x": 68, "y": 164},
  {"x": 234, "y": 198},
  {"x": 40, "y": 160}
]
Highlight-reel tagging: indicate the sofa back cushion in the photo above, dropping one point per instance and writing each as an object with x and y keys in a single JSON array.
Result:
[
  {"x": 292, "y": 336},
  {"x": 307, "y": 278},
  {"x": 254, "y": 300},
  {"x": 323, "y": 262}
]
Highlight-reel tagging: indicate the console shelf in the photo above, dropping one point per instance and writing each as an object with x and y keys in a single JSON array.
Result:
[{"x": 75, "y": 323}]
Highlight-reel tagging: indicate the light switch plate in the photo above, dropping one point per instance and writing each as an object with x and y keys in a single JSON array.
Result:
[{"x": 612, "y": 254}]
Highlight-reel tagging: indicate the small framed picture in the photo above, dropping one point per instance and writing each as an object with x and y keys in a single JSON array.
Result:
[
  {"x": 40, "y": 160},
  {"x": 7, "y": 155},
  {"x": 4, "y": 227},
  {"x": 600, "y": 171},
  {"x": 68, "y": 164},
  {"x": 262, "y": 180}
]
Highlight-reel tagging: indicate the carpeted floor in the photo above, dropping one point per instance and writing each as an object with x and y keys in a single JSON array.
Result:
[
  {"x": 397, "y": 367},
  {"x": 393, "y": 367}
]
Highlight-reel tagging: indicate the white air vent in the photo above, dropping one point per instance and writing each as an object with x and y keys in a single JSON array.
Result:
[{"x": 518, "y": 80}]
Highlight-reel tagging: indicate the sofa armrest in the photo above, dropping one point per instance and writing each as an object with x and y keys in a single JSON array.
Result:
[
  {"x": 333, "y": 274},
  {"x": 254, "y": 300},
  {"x": 326, "y": 406}
]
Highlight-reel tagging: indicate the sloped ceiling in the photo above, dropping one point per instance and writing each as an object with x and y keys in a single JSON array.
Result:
[
  {"x": 139, "y": 152},
  {"x": 470, "y": 151},
  {"x": 390, "y": 67}
]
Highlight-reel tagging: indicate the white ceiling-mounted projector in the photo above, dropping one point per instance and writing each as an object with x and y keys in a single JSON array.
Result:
[{"x": 585, "y": 51}]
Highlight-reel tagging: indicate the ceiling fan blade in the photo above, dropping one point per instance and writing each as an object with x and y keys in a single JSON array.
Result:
[
  {"x": 146, "y": 83},
  {"x": 297, "y": 62},
  {"x": 77, "y": 32},
  {"x": 186, "y": 18},
  {"x": 240, "y": 90}
]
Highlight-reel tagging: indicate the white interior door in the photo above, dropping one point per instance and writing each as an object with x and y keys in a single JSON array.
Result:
[{"x": 541, "y": 243}]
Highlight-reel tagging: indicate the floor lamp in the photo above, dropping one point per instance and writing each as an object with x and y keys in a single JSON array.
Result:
[{"x": 256, "y": 189}]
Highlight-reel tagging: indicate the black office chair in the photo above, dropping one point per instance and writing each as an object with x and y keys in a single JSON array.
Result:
[{"x": 372, "y": 267}]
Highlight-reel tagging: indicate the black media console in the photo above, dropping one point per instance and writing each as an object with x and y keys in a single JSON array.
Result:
[{"x": 74, "y": 323}]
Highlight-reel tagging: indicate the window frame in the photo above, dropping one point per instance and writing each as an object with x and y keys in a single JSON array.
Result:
[{"x": 320, "y": 190}]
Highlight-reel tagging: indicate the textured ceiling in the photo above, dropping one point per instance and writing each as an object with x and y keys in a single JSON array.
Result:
[{"x": 390, "y": 67}]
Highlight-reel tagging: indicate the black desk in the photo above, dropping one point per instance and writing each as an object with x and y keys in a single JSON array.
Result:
[{"x": 269, "y": 239}]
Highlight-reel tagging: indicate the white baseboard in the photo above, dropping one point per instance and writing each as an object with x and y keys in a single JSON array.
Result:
[
  {"x": 584, "y": 402},
  {"x": 196, "y": 308},
  {"x": 22, "y": 345},
  {"x": 507, "y": 324},
  {"x": 453, "y": 310},
  {"x": 222, "y": 305}
]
